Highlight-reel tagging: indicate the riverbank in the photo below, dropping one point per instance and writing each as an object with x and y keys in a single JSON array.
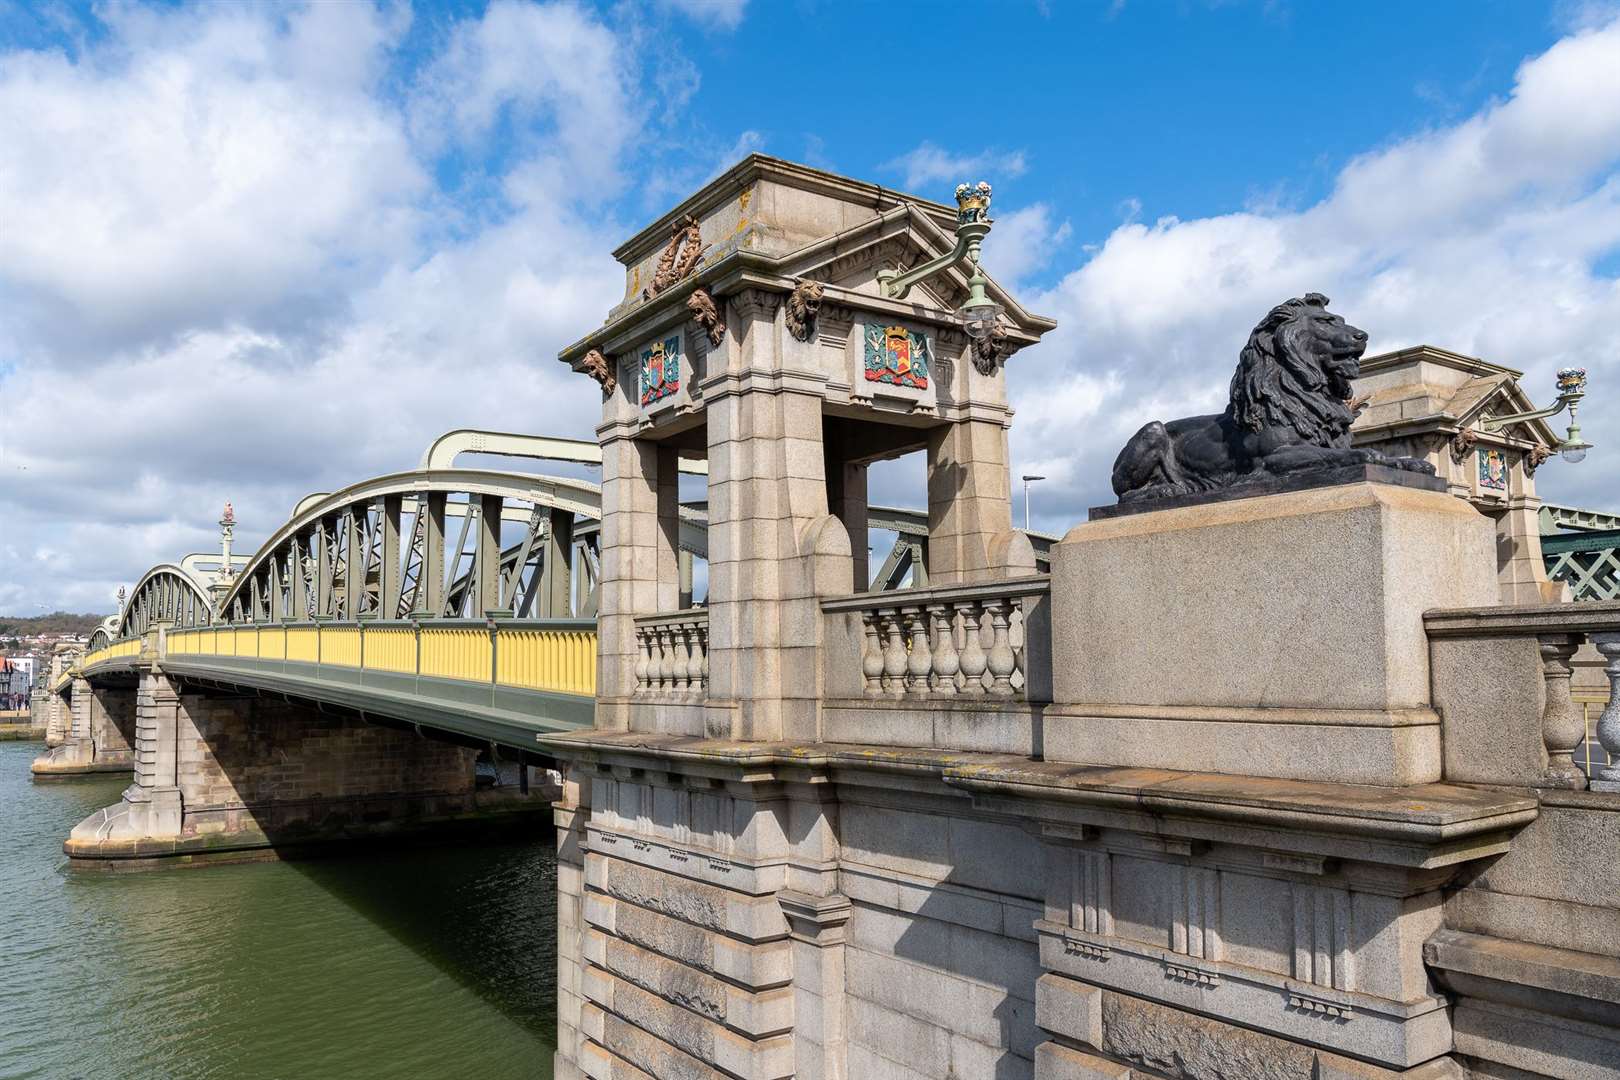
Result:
[{"x": 23, "y": 732}]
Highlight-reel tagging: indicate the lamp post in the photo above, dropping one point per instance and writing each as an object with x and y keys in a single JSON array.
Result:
[
  {"x": 1027, "y": 479},
  {"x": 1571, "y": 388},
  {"x": 979, "y": 312}
]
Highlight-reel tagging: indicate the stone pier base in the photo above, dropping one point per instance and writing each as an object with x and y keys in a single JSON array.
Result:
[
  {"x": 99, "y": 739},
  {"x": 231, "y": 778}
]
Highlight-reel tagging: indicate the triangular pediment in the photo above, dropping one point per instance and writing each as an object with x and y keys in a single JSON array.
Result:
[
  {"x": 1504, "y": 397},
  {"x": 899, "y": 240}
]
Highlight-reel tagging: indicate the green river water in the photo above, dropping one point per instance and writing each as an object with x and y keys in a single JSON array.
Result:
[{"x": 426, "y": 962}]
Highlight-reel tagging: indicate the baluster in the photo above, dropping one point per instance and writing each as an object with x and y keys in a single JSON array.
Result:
[
  {"x": 947, "y": 662},
  {"x": 1002, "y": 661},
  {"x": 974, "y": 659},
  {"x": 682, "y": 669},
  {"x": 700, "y": 657},
  {"x": 1562, "y": 728},
  {"x": 894, "y": 657},
  {"x": 643, "y": 657},
  {"x": 920, "y": 659},
  {"x": 1608, "y": 725},
  {"x": 666, "y": 666},
  {"x": 871, "y": 653}
]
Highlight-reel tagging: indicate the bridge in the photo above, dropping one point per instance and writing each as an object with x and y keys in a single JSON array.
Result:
[{"x": 1268, "y": 786}]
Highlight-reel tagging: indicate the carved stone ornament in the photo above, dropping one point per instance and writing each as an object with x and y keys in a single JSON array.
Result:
[
  {"x": 1462, "y": 444},
  {"x": 1289, "y": 414},
  {"x": 803, "y": 305},
  {"x": 680, "y": 257},
  {"x": 701, "y": 305},
  {"x": 602, "y": 370},
  {"x": 1535, "y": 459},
  {"x": 988, "y": 349}
]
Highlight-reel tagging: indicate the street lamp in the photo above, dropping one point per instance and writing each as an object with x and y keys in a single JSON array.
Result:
[
  {"x": 1027, "y": 479},
  {"x": 1571, "y": 388},
  {"x": 979, "y": 313}
]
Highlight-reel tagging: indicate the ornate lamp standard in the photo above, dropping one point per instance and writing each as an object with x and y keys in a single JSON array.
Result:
[
  {"x": 979, "y": 313},
  {"x": 1571, "y": 388}
]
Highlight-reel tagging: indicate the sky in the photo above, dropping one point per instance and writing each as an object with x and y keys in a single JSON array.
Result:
[{"x": 252, "y": 251}]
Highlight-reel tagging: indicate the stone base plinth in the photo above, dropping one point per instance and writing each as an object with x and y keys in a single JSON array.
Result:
[
  {"x": 1279, "y": 636},
  {"x": 78, "y": 757}
]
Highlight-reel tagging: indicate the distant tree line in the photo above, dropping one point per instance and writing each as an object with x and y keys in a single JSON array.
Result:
[{"x": 57, "y": 622}]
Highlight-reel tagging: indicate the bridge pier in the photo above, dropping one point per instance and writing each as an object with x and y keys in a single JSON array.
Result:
[
  {"x": 226, "y": 774},
  {"x": 98, "y": 737}
]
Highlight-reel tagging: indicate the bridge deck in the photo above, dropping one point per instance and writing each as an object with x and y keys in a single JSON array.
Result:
[{"x": 503, "y": 681}]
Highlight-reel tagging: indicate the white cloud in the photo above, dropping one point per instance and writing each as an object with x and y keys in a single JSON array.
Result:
[
  {"x": 928, "y": 165},
  {"x": 1023, "y": 242},
  {"x": 198, "y": 171},
  {"x": 232, "y": 278},
  {"x": 1485, "y": 237},
  {"x": 724, "y": 14}
]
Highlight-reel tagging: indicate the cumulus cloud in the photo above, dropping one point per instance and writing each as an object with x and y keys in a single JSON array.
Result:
[
  {"x": 929, "y": 165},
  {"x": 724, "y": 14},
  {"x": 232, "y": 275},
  {"x": 1489, "y": 237}
]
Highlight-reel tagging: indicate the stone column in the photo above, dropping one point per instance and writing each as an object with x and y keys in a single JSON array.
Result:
[
  {"x": 970, "y": 533},
  {"x": 847, "y": 496},
  {"x": 767, "y": 492},
  {"x": 667, "y": 539},
  {"x": 629, "y": 584}
]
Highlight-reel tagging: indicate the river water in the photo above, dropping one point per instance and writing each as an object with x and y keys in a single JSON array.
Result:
[{"x": 419, "y": 963}]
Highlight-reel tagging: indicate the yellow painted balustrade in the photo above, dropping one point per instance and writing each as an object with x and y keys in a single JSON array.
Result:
[
  {"x": 563, "y": 661},
  {"x": 272, "y": 643},
  {"x": 303, "y": 644},
  {"x": 455, "y": 652},
  {"x": 391, "y": 648},
  {"x": 558, "y": 659},
  {"x": 340, "y": 645}
]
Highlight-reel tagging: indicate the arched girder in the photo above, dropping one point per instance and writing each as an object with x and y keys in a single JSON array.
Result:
[
  {"x": 165, "y": 593},
  {"x": 390, "y": 527}
]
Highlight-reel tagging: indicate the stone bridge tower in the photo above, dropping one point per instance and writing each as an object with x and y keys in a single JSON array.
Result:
[
  {"x": 753, "y": 336},
  {"x": 1245, "y": 788}
]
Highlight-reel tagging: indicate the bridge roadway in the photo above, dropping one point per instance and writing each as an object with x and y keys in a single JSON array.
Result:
[{"x": 502, "y": 681}]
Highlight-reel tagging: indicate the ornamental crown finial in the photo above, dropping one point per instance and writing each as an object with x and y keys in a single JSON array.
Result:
[
  {"x": 972, "y": 202},
  {"x": 228, "y": 517},
  {"x": 1571, "y": 380}
]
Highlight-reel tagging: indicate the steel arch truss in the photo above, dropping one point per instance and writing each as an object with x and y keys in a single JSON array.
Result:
[
  {"x": 433, "y": 543},
  {"x": 166, "y": 594}
]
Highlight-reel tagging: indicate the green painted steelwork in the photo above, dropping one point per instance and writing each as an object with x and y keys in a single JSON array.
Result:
[{"x": 1588, "y": 561}]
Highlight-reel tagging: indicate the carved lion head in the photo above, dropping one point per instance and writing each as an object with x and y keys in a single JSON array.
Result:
[{"x": 1296, "y": 371}]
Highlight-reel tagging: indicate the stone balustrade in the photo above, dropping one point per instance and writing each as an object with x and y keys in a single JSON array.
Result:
[
  {"x": 1502, "y": 683},
  {"x": 673, "y": 654},
  {"x": 953, "y": 642}
]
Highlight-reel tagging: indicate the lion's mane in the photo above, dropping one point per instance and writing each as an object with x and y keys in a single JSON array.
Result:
[{"x": 1280, "y": 379}]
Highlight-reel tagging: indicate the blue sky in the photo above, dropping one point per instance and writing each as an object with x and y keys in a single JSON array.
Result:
[{"x": 310, "y": 238}]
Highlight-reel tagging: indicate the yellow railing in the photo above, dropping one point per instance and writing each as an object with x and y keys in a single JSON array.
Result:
[
  {"x": 563, "y": 661},
  {"x": 392, "y": 649},
  {"x": 304, "y": 644},
  {"x": 116, "y": 650},
  {"x": 559, "y": 658},
  {"x": 457, "y": 652},
  {"x": 340, "y": 645}
]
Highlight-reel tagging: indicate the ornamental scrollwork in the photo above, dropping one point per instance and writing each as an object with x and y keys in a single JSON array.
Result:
[{"x": 680, "y": 257}]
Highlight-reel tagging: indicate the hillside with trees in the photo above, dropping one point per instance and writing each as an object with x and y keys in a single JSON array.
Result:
[{"x": 57, "y": 622}]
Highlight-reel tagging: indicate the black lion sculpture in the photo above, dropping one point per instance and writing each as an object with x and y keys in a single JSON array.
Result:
[{"x": 1289, "y": 412}]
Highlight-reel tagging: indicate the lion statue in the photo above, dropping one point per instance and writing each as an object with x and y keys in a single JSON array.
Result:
[
  {"x": 1289, "y": 412},
  {"x": 803, "y": 305}
]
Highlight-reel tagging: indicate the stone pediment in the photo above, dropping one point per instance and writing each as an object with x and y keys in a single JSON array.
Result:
[
  {"x": 1425, "y": 388},
  {"x": 772, "y": 223}
]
